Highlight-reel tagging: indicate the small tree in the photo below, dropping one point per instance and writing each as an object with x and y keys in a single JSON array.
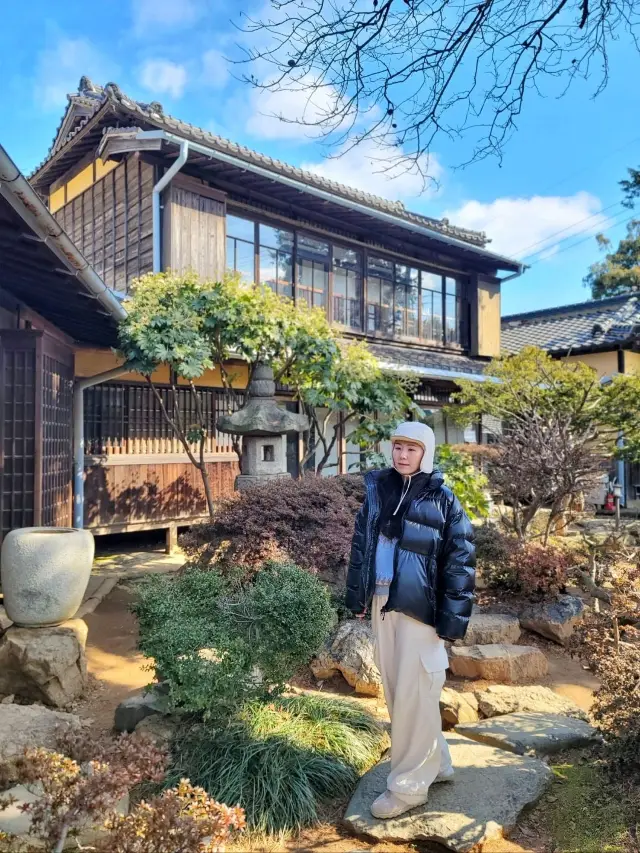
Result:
[
  {"x": 192, "y": 326},
  {"x": 559, "y": 423},
  {"x": 462, "y": 476},
  {"x": 619, "y": 272},
  {"x": 349, "y": 389}
]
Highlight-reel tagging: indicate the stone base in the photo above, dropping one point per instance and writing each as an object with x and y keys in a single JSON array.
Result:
[
  {"x": 248, "y": 481},
  {"x": 45, "y": 664}
]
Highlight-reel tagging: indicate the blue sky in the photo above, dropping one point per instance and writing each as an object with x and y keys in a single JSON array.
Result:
[{"x": 557, "y": 185}]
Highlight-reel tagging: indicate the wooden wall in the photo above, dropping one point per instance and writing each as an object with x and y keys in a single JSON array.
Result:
[
  {"x": 194, "y": 229},
  {"x": 126, "y": 494},
  {"x": 111, "y": 223}
]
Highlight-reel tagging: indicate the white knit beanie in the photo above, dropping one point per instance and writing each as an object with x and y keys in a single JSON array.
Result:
[{"x": 420, "y": 434}]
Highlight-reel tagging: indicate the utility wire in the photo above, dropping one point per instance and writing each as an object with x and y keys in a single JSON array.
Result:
[
  {"x": 578, "y": 243},
  {"x": 562, "y": 230}
]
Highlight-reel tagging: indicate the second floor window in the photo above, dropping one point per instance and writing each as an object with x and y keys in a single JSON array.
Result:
[
  {"x": 402, "y": 301},
  {"x": 347, "y": 287},
  {"x": 241, "y": 247}
]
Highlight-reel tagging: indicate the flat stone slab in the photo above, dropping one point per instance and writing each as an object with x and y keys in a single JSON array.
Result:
[
  {"x": 491, "y": 789},
  {"x": 504, "y": 662},
  {"x": 457, "y": 707},
  {"x": 554, "y": 620},
  {"x": 500, "y": 699},
  {"x": 491, "y": 628},
  {"x": 531, "y": 734}
]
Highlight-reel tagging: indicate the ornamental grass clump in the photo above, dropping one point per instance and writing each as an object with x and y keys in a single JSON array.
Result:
[
  {"x": 280, "y": 760},
  {"x": 219, "y": 642}
]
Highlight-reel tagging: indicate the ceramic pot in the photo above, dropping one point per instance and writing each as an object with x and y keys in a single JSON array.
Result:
[{"x": 45, "y": 573}]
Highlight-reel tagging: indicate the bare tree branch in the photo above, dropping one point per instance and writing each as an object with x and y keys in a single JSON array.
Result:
[{"x": 404, "y": 72}]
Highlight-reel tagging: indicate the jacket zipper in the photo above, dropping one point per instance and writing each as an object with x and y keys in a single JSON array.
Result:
[{"x": 394, "y": 581}]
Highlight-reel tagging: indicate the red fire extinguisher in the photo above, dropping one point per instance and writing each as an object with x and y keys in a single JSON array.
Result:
[{"x": 609, "y": 503}]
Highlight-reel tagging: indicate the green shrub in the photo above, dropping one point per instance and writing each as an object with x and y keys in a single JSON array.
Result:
[
  {"x": 278, "y": 760},
  {"x": 218, "y": 642},
  {"x": 464, "y": 479},
  {"x": 309, "y": 522}
]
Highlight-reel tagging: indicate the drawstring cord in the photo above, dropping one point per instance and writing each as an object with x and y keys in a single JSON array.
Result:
[{"x": 405, "y": 492}]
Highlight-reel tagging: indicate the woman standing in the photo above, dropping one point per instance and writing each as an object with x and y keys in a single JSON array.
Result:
[{"x": 412, "y": 562}]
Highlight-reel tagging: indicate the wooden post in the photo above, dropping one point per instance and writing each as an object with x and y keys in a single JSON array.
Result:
[{"x": 171, "y": 541}]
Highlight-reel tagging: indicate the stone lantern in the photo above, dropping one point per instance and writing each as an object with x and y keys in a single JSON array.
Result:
[{"x": 263, "y": 426}]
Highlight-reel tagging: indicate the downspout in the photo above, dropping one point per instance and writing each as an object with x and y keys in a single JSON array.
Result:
[
  {"x": 620, "y": 464},
  {"x": 78, "y": 437},
  {"x": 173, "y": 170}
]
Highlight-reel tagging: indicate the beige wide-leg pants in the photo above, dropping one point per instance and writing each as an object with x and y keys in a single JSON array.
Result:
[{"x": 405, "y": 657}]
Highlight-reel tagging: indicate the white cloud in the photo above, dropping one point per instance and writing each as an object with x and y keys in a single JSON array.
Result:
[
  {"x": 383, "y": 171},
  {"x": 60, "y": 67},
  {"x": 163, "y": 14},
  {"x": 215, "y": 69},
  {"x": 161, "y": 76},
  {"x": 290, "y": 114},
  {"x": 522, "y": 227}
]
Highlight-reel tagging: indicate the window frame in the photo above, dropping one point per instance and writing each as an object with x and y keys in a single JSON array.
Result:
[{"x": 366, "y": 252}]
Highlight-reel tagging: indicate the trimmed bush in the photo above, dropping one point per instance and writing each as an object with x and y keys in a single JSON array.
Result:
[
  {"x": 219, "y": 642},
  {"x": 522, "y": 568},
  {"x": 279, "y": 760},
  {"x": 309, "y": 522}
]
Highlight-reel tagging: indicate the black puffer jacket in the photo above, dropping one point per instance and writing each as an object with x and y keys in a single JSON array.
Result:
[{"x": 433, "y": 576}]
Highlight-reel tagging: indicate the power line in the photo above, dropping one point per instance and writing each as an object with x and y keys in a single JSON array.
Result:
[
  {"x": 578, "y": 243},
  {"x": 562, "y": 230}
]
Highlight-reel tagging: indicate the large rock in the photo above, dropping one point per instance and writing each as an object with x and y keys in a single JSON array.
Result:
[
  {"x": 29, "y": 726},
  {"x": 502, "y": 699},
  {"x": 350, "y": 652},
  {"x": 487, "y": 628},
  {"x": 45, "y": 664},
  {"x": 159, "y": 728},
  {"x": 554, "y": 620},
  {"x": 15, "y": 821},
  {"x": 457, "y": 707},
  {"x": 491, "y": 789},
  {"x": 134, "y": 709},
  {"x": 498, "y": 662},
  {"x": 528, "y": 734}
]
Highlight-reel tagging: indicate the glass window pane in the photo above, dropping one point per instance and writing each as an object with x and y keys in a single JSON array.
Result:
[
  {"x": 431, "y": 281},
  {"x": 412, "y": 312},
  {"x": 429, "y": 299},
  {"x": 452, "y": 286},
  {"x": 379, "y": 295},
  {"x": 452, "y": 324},
  {"x": 311, "y": 248},
  {"x": 275, "y": 270},
  {"x": 276, "y": 238},
  {"x": 347, "y": 287},
  {"x": 245, "y": 260},
  {"x": 386, "y": 325},
  {"x": 240, "y": 228}
]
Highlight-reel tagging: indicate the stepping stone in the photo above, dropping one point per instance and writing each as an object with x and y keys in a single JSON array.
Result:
[
  {"x": 457, "y": 707},
  {"x": 502, "y": 699},
  {"x": 490, "y": 790},
  {"x": 498, "y": 662},
  {"x": 487, "y": 628},
  {"x": 529, "y": 734},
  {"x": 554, "y": 620}
]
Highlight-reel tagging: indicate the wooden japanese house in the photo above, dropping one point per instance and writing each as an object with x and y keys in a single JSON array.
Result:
[{"x": 138, "y": 190}]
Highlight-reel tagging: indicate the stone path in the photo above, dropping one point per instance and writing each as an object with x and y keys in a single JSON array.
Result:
[
  {"x": 490, "y": 790},
  {"x": 531, "y": 734}
]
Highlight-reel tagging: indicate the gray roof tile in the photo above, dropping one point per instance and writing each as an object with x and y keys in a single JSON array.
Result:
[
  {"x": 91, "y": 95},
  {"x": 423, "y": 359},
  {"x": 584, "y": 326}
]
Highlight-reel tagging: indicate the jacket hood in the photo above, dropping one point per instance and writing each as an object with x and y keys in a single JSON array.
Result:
[{"x": 421, "y": 434}]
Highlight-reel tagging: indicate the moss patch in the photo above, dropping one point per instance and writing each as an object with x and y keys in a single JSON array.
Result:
[{"x": 585, "y": 812}]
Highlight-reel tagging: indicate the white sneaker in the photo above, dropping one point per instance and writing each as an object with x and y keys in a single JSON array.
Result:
[
  {"x": 388, "y": 805},
  {"x": 447, "y": 775}
]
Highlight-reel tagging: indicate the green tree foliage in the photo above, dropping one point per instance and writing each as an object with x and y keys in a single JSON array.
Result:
[
  {"x": 219, "y": 643},
  {"x": 354, "y": 390},
  {"x": 559, "y": 422},
  {"x": 619, "y": 272},
  {"x": 464, "y": 479},
  {"x": 193, "y": 325}
]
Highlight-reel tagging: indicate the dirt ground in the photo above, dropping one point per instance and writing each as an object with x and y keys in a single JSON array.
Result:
[{"x": 118, "y": 670}]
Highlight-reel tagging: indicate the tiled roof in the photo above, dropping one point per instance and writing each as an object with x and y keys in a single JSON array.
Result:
[
  {"x": 423, "y": 360},
  {"x": 584, "y": 326},
  {"x": 95, "y": 97}
]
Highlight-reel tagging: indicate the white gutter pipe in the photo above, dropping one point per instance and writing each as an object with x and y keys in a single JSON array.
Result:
[
  {"x": 30, "y": 207},
  {"x": 156, "y": 193},
  {"x": 78, "y": 437},
  {"x": 323, "y": 194}
]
